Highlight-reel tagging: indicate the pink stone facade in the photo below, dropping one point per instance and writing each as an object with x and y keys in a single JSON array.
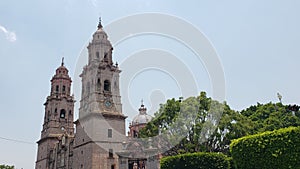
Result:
[{"x": 98, "y": 139}]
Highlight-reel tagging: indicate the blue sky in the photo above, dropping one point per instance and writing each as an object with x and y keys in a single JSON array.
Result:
[{"x": 257, "y": 43}]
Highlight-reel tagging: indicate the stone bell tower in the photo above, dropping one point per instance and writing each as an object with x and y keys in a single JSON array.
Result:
[
  {"x": 100, "y": 128},
  {"x": 58, "y": 118}
]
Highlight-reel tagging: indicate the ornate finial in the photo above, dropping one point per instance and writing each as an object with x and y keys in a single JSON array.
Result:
[
  {"x": 142, "y": 109},
  {"x": 100, "y": 24},
  {"x": 279, "y": 97},
  {"x": 62, "y": 61}
]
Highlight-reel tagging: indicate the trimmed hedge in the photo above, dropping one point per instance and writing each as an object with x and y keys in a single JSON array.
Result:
[
  {"x": 199, "y": 160},
  {"x": 232, "y": 166},
  {"x": 277, "y": 149}
]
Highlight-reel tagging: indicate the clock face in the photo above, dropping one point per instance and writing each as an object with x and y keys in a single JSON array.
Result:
[{"x": 107, "y": 103}]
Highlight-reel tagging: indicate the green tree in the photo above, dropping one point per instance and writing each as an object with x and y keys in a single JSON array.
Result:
[
  {"x": 272, "y": 116},
  {"x": 6, "y": 167},
  {"x": 195, "y": 124},
  {"x": 203, "y": 124}
]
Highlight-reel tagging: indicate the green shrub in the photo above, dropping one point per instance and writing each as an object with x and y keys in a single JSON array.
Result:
[
  {"x": 196, "y": 161},
  {"x": 269, "y": 150},
  {"x": 232, "y": 166},
  {"x": 6, "y": 167}
]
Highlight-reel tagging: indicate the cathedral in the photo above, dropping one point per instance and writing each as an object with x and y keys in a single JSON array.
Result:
[{"x": 97, "y": 139}]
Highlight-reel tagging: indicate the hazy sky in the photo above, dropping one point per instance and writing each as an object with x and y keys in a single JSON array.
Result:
[{"x": 257, "y": 43}]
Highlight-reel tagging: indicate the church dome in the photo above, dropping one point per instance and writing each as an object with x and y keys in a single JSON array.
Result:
[
  {"x": 61, "y": 71},
  {"x": 100, "y": 36},
  {"x": 100, "y": 31},
  {"x": 142, "y": 117}
]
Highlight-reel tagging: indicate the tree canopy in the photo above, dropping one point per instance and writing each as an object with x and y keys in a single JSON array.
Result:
[
  {"x": 203, "y": 124},
  {"x": 272, "y": 116},
  {"x": 6, "y": 167}
]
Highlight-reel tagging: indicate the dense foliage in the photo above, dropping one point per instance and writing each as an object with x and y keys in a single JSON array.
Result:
[
  {"x": 196, "y": 124},
  {"x": 6, "y": 167},
  {"x": 276, "y": 149},
  {"x": 201, "y": 124},
  {"x": 270, "y": 116},
  {"x": 196, "y": 161}
]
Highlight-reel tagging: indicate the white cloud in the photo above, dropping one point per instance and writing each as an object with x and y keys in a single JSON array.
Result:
[{"x": 11, "y": 36}]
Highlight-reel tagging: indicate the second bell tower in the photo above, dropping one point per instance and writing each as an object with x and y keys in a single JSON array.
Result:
[{"x": 58, "y": 121}]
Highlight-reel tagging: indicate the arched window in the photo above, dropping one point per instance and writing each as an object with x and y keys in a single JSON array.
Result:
[
  {"x": 111, "y": 153},
  {"x": 48, "y": 117},
  {"x": 64, "y": 88},
  {"x": 106, "y": 85},
  {"x": 57, "y": 88},
  {"x": 109, "y": 133},
  {"x": 62, "y": 113},
  {"x": 97, "y": 54},
  {"x": 105, "y": 57},
  {"x": 98, "y": 84}
]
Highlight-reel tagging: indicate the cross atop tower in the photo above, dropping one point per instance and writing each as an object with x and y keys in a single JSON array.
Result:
[
  {"x": 100, "y": 24},
  {"x": 142, "y": 101},
  {"x": 62, "y": 61}
]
